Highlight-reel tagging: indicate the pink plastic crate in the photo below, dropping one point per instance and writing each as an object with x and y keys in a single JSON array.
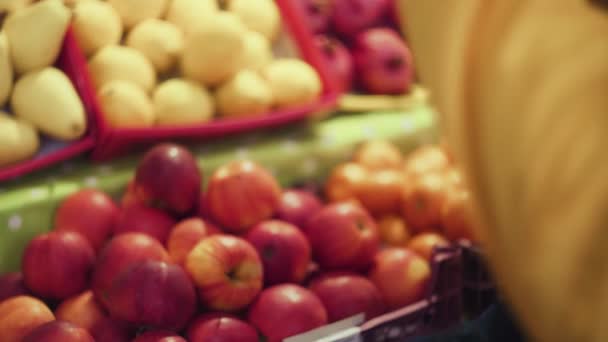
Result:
[
  {"x": 117, "y": 141},
  {"x": 71, "y": 60}
]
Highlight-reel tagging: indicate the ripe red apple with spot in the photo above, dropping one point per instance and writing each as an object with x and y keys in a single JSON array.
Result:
[
  {"x": 169, "y": 178},
  {"x": 12, "y": 285},
  {"x": 227, "y": 272},
  {"x": 57, "y": 265},
  {"x": 286, "y": 310},
  {"x": 153, "y": 293},
  {"x": 383, "y": 62},
  {"x": 221, "y": 328},
  {"x": 89, "y": 212},
  {"x": 351, "y": 17},
  {"x": 424, "y": 244},
  {"x": 141, "y": 219},
  {"x": 401, "y": 276},
  {"x": 284, "y": 250},
  {"x": 339, "y": 62},
  {"x": 241, "y": 194},
  {"x": 343, "y": 236},
  {"x": 159, "y": 336},
  {"x": 119, "y": 255},
  {"x": 187, "y": 234},
  {"x": 317, "y": 14},
  {"x": 59, "y": 331},
  {"x": 347, "y": 294},
  {"x": 297, "y": 206},
  {"x": 84, "y": 311}
]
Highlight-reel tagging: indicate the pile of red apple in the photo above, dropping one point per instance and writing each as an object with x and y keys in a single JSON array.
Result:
[
  {"x": 360, "y": 42},
  {"x": 242, "y": 259}
]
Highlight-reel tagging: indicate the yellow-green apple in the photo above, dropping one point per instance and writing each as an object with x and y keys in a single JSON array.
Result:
[
  {"x": 21, "y": 315},
  {"x": 138, "y": 218},
  {"x": 227, "y": 271},
  {"x": 119, "y": 255},
  {"x": 343, "y": 236},
  {"x": 383, "y": 62},
  {"x": 241, "y": 194},
  {"x": 168, "y": 177},
  {"x": 89, "y": 212},
  {"x": 84, "y": 311},
  {"x": 59, "y": 331},
  {"x": 12, "y": 285},
  {"x": 401, "y": 276},
  {"x": 57, "y": 265},
  {"x": 347, "y": 294},
  {"x": 159, "y": 336},
  {"x": 153, "y": 293},
  {"x": 284, "y": 250},
  {"x": 297, "y": 206},
  {"x": 221, "y": 328},
  {"x": 424, "y": 244},
  {"x": 286, "y": 310},
  {"x": 187, "y": 234}
]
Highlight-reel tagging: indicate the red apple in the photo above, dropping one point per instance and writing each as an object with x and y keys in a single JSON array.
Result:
[
  {"x": 286, "y": 310},
  {"x": 424, "y": 244},
  {"x": 227, "y": 271},
  {"x": 344, "y": 182},
  {"x": 339, "y": 62},
  {"x": 284, "y": 250},
  {"x": 84, "y": 311},
  {"x": 119, "y": 255},
  {"x": 343, "y": 235},
  {"x": 141, "y": 219},
  {"x": 21, "y": 315},
  {"x": 159, "y": 336},
  {"x": 168, "y": 177},
  {"x": 59, "y": 331},
  {"x": 153, "y": 293},
  {"x": 90, "y": 213},
  {"x": 297, "y": 206},
  {"x": 317, "y": 14},
  {"x": 383, "y": 62},
  {"x": 423, "y": 201},
  {"x": 401, "y": 276},
  {"x": 12, "y": 285},
  {"x": 57, "y": 265},
  {"x": 187, "y": 234},
  {"x": 241, "y": 194},
  {"x": 382, "y": 192},
  {"x": 354, "y": 16},
  {"x": 457, "y": 216},
  {"x": 221, "y": 328},
  {"x": 347, "y": 294}
]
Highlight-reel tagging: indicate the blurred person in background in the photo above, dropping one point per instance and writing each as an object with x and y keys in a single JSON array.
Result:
[{"x": 522, "y": 87}]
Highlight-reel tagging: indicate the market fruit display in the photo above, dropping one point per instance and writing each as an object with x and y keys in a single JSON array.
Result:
[
  {"x": 363, "y": 52},
  {"x": 37, "y": 100},
  {"x": 195, "y": 61},
  {"x": 234, "y": 256}
]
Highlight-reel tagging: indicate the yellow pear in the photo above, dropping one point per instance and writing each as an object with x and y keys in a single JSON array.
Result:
[
  {"x": 133, "y": 12},
  {"x": 258, "y": 52},
  {"x": 36, "y": 34},
  {"x": 47, "y": 99},
  {"x": 293, "y": 82},
  {"x": 6, "y": 70},
  {"x": 213, "y": 52},
  {"x": 262, "y": 16},
  {"x": 96, "y": 24},
  {"x": 187, "y": 14},
  {"x": 126, "y": 105},
  {"x": 18, "y": 140},
  {"x": 246, "y": 94},
  {"x": 115, "y": 62},
  {"x": 160, "y": 41},
  {"x": 182, "y": 102}
]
